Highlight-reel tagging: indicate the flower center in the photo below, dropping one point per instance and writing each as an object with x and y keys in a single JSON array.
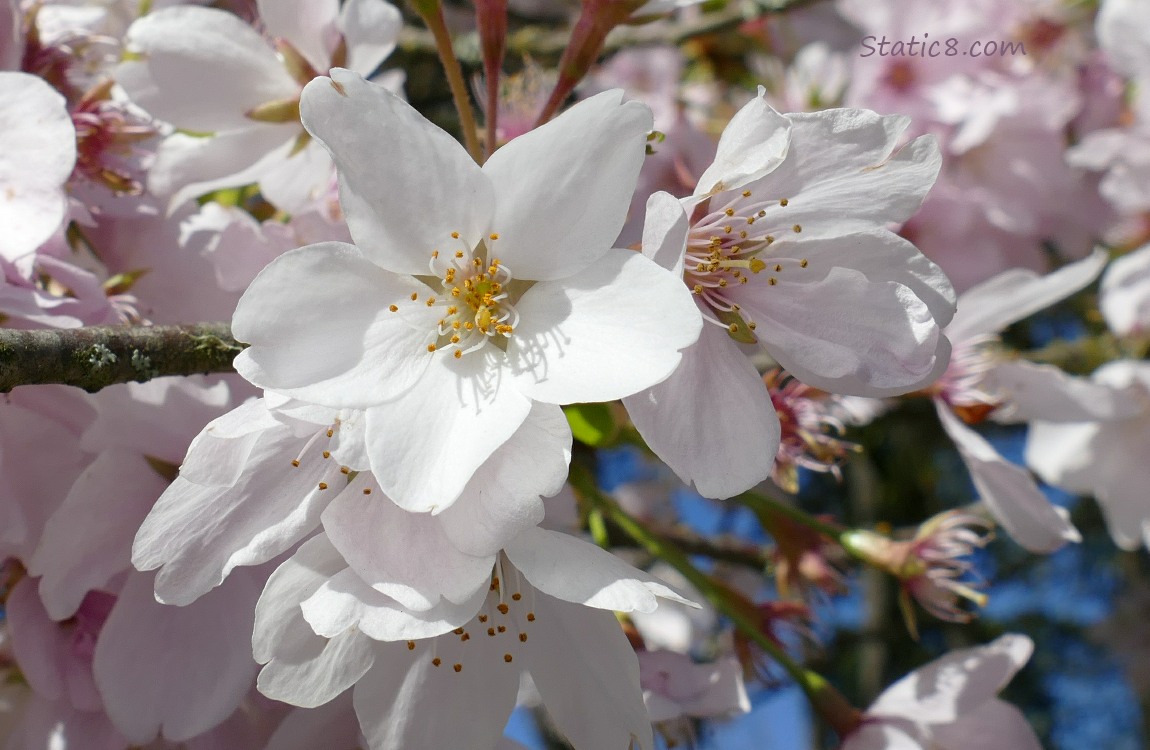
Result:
[
  {"x": 475, "y": 305},
  {"x": 501, "y": 625},
  {"x": 723, "y": 253}
]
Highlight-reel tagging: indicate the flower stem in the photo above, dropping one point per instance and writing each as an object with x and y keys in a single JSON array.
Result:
[
  {"x": 757, "y": 501},
  {"x": 821, "y": 694},
  {"x": 432, "y": 14}
]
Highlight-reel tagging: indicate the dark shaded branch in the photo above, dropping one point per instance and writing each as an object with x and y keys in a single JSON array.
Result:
[
  {"x": 96, "y": 357},
  {"x": 544, "y": 43}
]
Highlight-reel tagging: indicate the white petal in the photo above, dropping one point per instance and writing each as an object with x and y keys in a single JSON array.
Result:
[
  {"x": 405, "y": 185},
  {"x": 320, "y": 330},
  {"x": 1018, "y": 293},
  {"x": 407, "y": 703},
  {"x": 754, "y": 143},
  {"x": 1123, "y": 36},
  {"x": 189, "y": 166},
  {"x": 217, "y": 455},
  {"x": 1009, "y": 491},
  {"x": 426, "y": 444},
  {"x": 665, "y": 230},
  {"x": 562, "y": 190},
  {"x": 1124, "y": 296},
  {"x": 956, "y": 684},
  {"x": 1031, "y": 391},
  {"x": 176, "y": 670},
  {"x": 345, "y": 601},
  {"x": 404, "y": 555},
  {"x": 842, "y": 173},
  {"x": 1064, "y": 454},
  {"x": 570, "y": 569},
  {"x": 846, "y": 333},
  {"x": 605, "y": 333},
  {"x": 310, "y": 26},
  {"x": 314, "y": 675},
  {"x": 299, "y": 180},
  {"x": 330, "y": 725},
  {"x": 278, "y": 616},
  {"x": 88, "y": 540},
  {"x": 721, "y": 439},
  {"x": 38, "y": 156},
  {"x": 503, "y": 498},
  {"x": 371, "y": 28},
  {"x": 199, "y": 534},
  {"x": 202, "y": 69},
  {"x": 583, "y": 666},
  {"x": 995, "y": 725}
]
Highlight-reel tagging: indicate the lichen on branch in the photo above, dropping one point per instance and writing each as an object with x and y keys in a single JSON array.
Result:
[{"x": 95, "y": 357}]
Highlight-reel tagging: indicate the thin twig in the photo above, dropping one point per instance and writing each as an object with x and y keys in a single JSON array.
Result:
[{"x": 96, "y": 357}]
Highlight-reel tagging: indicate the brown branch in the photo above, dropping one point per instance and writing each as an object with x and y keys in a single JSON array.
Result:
[
  {"x": 546, "y": 43},
  {"x": 96, "y": 357}
]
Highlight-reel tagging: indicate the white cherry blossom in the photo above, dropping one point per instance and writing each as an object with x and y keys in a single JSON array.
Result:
[
  {"x": 471, "y": 292},
  {"x": 784, "y": 244},
  {"x": 545, "y": 609},
  {"x": 979, "y": 382},
  {"x": 1105, "y": 458},
  {"x": 951, "y": 704},
  {"x": 235, "y": 94},
  {"x": 38, "y": 156}
]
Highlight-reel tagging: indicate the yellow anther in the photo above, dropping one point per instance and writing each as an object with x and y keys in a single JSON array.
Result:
[
  {"x": 457, "y": 667},
  {"x": 327, "y": 454},
  {"x": 770, "y": 238},
  {"x": 733, "y": 328},
  {"x": 502, "y": 608},
  {"x": 507, "y": 658},
  {"x": 455, "y": 339},
  {"x": 494, "y": 235},
  {"x": 367, "y": 490},
  {"x": 458, "y": 354},
  {"x": 783, "y": 202},
  {"x": 323, "y": 485},
  {"x": 431, "y": 301},
  {"x": 727, "y": 229},
  {"x": 434, "y": 253},
  {"x": 698, "y": 289},
  {"x": 431, "y": 347},
  {"x": 458, "y": 253},
  {"x": 414, "y": 296},
  {"x": 752, "y": 325},
  {"x": 411, "y": 645},
  {"x": 722, "y": 282},
  {"x": 743, "y": 234},
  {"x": 393, "y": 308},
  {"x": 345, "y": 470},
  {"x": 436, "y": 661},
  {"x": 772, "y": 281},
  {"x": 761, "y": 214},
  {"x": 757, "y": 265},
  {"x": 730, "y": 212},
  {"x": 778, "y": 267},
  {"x": 455, "y": 236},
  {"x": 797, "y": 228},
  {"x": 523, "y": 638},
  {"x": 803, "y": 263},
  {"x": 530, "y": 617},
  {"x": 452, "y": 310},
  {"x": 295, "y": 462},
  {"x": 746, "y": 193}
]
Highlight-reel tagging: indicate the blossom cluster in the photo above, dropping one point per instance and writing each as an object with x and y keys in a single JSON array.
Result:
[{"x": 385, "y": 529}]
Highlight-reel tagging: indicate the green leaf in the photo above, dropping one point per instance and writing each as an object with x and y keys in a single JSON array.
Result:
[{"x": 591, "y": 424}]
